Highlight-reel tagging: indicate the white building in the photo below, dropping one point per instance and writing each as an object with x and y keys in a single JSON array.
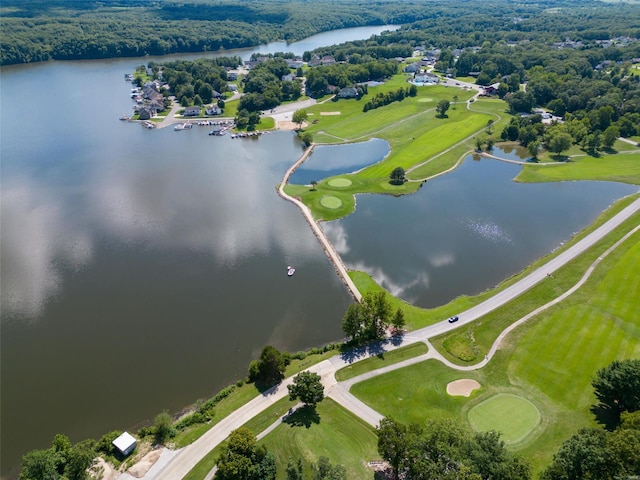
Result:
[{"x": 125, "y": 443}]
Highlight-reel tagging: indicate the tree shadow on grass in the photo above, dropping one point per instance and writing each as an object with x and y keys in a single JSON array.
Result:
[
  {"x": 351, "y": 354},
  {"x": 266, "y": 388},
  {"x": 560, "y": 158},
  {"x": 303, "y": 417},
  {"x": 606, "y": 416}
]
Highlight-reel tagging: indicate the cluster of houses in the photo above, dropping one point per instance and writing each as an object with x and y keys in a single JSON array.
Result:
[{"x": 149, "y": 100}]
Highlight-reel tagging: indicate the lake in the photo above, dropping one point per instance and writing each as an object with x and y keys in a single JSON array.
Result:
[
  {"x": 141, "y": 269},
  {"x": 144, "y": 269}
]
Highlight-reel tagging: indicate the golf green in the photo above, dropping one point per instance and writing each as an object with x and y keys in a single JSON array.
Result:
[
  {"x": 511, "y": 415},
  {"x": 340, "y": 182},
  {"x": 329, "y": 201}
]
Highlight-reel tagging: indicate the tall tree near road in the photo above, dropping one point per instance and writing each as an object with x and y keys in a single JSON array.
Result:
[
  {"x": 299, "y": 117},
  {"x": 307, "y": 388}
]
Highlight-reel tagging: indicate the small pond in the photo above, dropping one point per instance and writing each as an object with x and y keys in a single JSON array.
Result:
[{"x": 329, "y": 160}]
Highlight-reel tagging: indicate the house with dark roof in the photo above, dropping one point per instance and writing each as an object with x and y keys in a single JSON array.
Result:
[
  {"x": 348, "y": 92},
  {"x": 192, "y": 112},
  {"x": 213, "y": 110}
]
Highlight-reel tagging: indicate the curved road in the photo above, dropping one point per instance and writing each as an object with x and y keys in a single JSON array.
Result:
[{"x": 187, "y": 458}]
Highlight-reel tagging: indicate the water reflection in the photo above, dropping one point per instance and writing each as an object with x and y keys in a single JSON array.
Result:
[
  {"x": 38, "y": 238},
  {"x": 466, "y": 231}
]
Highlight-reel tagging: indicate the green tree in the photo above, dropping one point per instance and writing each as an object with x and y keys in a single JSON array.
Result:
[
  {"x": 324, "y": 470},
  {"x": 398, "y": 320},
  {"x": 299, "y": 117},
  {"x": 79, "y": 459},
  {"x": 442, "y": 107},
  {"x": 269, "y": 369},
  {"x": 163, "y": 427},
  {"x": 610, "y": 135},
  {"x": 352, "y": 322},
  {"x": 533, "y": 149},
  {"x": 393, "y": 444},
  {"x": 585, "y": 455},
  {"x": 307, "y": 139},
  {"x": 295, "y": 471},
  {"x": 490, "y": 142},
  {"x": 560, "y": 142},
  {"x": 307, "y": 388},
  {"x": 314, "y": 184},
  {"x": 241, "y": 459},
  {"x": 397, "y": 176},
  {"x": 617, "y": 386},
  {"x": 40, "y": 465}
]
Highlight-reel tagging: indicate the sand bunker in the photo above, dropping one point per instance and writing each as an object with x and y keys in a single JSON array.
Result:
[
  {"x": 330, "y": 113},
  {"x": 462, "y": 388}
]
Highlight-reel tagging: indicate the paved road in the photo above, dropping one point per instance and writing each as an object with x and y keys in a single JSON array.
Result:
[{"x": 186, "y": 458}]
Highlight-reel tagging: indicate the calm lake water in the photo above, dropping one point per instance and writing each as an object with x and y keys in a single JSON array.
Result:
[
  {"x": 466, "y": 231},
  {"x": 143, "y": 269}
]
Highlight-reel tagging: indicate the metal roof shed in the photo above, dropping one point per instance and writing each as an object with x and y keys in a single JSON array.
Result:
[{"x": 125, "y": 443}]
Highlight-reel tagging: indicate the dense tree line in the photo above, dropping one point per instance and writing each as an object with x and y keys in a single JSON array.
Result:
[
  {"x": 446, "y": 449},
  {"x": 382, "y": 99},
  {"x": 343, "y": 75},
  {"x": 39, "y": 30}
]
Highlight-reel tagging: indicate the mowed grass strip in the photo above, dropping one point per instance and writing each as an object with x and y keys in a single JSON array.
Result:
[
  {"x": 511, "y": 415},
  {"x": 332, "y": 432},
  {"x": 615, "y": 168},
  {"x": 381, "y": 360}
]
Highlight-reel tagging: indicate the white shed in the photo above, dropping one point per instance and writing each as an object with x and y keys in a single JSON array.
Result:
[{"x": 125, "y": 443}]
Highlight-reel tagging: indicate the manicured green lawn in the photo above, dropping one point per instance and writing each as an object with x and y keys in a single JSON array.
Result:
[
  {"x": 511, "y": 415},
  {"x": 616, "y": 168},
  {"x": 382, "y": 360},
  {"x": 333, "y": 432}
]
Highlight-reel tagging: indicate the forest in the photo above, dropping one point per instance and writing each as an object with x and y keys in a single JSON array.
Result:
[{"x": 39, "y": 30}]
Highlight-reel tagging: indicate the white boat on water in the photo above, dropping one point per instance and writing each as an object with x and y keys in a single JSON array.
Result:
[{"x": 290, "y": 271}]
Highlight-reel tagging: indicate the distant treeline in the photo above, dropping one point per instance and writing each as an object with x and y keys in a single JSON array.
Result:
[{"x": 38, "y": 30}]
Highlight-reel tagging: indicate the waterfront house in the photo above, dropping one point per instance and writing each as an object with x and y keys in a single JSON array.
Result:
[
  {"x": 192, "y": 112},
  {"x": 213, "y": 110}
]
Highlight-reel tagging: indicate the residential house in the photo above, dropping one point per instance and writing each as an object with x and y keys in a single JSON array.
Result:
[
  {"x": 348, "y": 92},
  {"x": 289, "y": 77},
  {"x": 213, "y": 110},
  {"x": 192, "y": 112}
]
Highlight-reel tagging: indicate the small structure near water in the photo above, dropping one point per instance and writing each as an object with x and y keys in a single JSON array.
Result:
[{"x": 125, "y": 443}]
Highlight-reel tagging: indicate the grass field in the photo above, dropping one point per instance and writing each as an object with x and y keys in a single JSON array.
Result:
[
  {"x": 615, "y": 168},
  {"x": 511, "y": 415},
  {"x": 333, "y": 432}
]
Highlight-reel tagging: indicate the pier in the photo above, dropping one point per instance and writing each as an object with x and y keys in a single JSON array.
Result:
[{"x": 327, "y": 246}]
